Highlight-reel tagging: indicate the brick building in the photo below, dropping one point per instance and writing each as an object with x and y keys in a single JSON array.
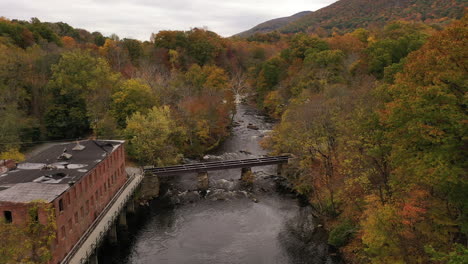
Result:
[{"x": 76, "y": 179}]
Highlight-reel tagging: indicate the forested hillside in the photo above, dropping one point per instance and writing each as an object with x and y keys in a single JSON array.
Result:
[
  {"x": 272, "y": 25},
  {"x": 347, "y": 15},
  {"x": 377, "y": 122},
  {"x": 376, "y": 117},
  {"x": 61, "y": 83}
]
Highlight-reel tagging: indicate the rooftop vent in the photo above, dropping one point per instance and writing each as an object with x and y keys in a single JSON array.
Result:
[
  {"x": 51, "y": 178},
  {"x": 78, "y": 146},
  {"x": 58, "y": 175},
  {"x": 49, "y": 167},
  {"x": 65, "y": 156}
]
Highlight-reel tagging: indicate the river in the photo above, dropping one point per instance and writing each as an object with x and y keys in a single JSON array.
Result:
[{"x": 232, "y": 223}]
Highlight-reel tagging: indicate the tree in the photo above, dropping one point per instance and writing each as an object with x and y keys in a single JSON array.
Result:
[
  {"x": 81, "y": 87},
  {"x": 269, "y": 76},
  {"x": 203, "y": 45},
  {"x": 301, "y": 43},
  {"x": 135, "y": 51},
  {"x": 155, "y": 138},
  {"x": 308, "y": 130},
  {"x": 170, "y": 39},
  {"x": 426, "y": 120},
  {"x": 15, "y": 98},
  {"x": 132, "y": 96},
  {"x": 116, "y": 55},
  {"x": 399, "y": 39}
]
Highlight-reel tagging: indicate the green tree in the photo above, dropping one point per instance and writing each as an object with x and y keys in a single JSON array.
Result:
[
  {"x": 269, "y": 77},
  {"x": 203, "y": 45},
  {"x": 155, "y": 138},
  {"x": 15, "y": 96},
  {"x": 302, "y": 43},
  {"x": 398, "y": 40},
  {"x": 132, "y": 96},
  {"x": 81, "y": 87},
  {"x": 134, "y": 48}
]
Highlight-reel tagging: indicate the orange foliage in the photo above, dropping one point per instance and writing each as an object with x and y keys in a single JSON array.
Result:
[
  {"x": 68, "y": 42},
  {"x": 347, "y": 43}
]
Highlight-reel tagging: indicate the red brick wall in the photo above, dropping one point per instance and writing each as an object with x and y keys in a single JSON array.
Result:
[
  {"x": 83, "y": 202},
  {"x": 20, "y": 213}
]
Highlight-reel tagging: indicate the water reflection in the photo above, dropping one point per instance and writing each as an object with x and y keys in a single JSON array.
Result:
[{"x": 304, "y": 239}]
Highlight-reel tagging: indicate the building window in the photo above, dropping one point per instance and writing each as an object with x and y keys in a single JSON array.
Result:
[
  {"x": 8, "y": 216},
  {"x": 82, "y": 211},
  {"x": 64, "y": 234},
  {"x": 70, "y": 225},
  {"x": 68, "y": 199},
  {"x": 34, "y": 215},
  {"x": 60, "y": 203},
  {"x": 76, "y": 217}
]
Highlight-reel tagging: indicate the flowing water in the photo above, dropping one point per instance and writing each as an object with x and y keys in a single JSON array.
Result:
[{"x": 232, "y": 223}]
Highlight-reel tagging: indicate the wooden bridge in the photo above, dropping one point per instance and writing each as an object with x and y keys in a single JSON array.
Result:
[{"x": 203, "y": 168}]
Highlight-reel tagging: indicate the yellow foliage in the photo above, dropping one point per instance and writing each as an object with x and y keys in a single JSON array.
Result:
[{"x": 13, "y": 154}]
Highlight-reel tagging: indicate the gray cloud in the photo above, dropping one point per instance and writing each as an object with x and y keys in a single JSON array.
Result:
[{"x": 139, "y": 18}]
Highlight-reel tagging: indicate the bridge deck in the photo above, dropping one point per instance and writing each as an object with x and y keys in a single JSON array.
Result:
[{"x": 216, "y": 165}]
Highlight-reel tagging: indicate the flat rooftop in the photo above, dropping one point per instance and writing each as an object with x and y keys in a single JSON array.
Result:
[{"x": 48, "y": 174}]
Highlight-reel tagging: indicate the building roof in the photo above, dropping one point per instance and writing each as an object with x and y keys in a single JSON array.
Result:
[
  {"x": 48, "y": 174},
  {"x": 31, "y": 191}
]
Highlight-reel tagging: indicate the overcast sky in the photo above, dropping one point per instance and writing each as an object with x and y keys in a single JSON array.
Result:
[{"x": 139, "y": 18}]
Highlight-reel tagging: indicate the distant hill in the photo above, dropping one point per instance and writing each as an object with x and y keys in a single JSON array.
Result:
[
  {"x": 346, "y": 15},
  {"x": 274, "y": 24}
]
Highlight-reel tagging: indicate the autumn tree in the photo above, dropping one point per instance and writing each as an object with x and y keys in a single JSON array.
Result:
[
  {"x": 426, "y": 125},
  {"x": 308, "y": 130},
  {"x": 131, "y": 96},
  {"x": 81, "y": 87},
  {"x": 155, "y": 138}
]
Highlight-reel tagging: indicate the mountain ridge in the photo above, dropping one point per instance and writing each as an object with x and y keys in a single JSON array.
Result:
[
  {"x": 347, "y": 15},
  {"x": 273, "y": 24}
]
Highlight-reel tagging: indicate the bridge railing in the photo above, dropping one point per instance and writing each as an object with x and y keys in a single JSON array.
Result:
[{"x": 217, "y": 165}]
